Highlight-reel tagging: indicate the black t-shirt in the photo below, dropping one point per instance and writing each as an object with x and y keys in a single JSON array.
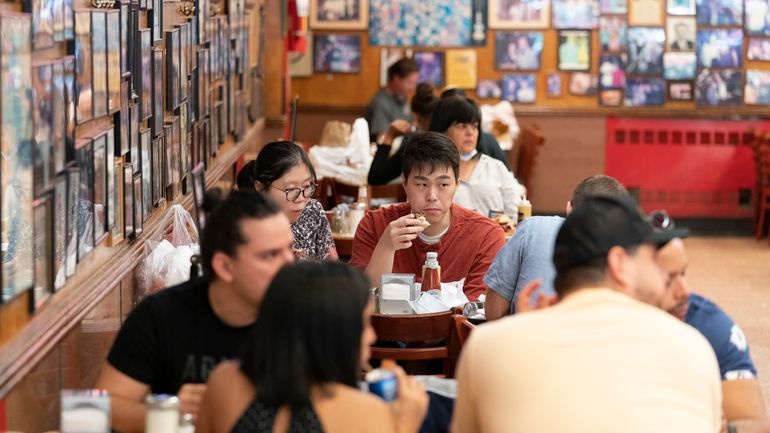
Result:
[{"x": 173, "y": 337}]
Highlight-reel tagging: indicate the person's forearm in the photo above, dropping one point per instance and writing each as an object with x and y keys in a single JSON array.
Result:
[
  {"x": 380, "y": 263},
  {"x": 496, "y": 306},
  {"x": 127, "y": 416}
]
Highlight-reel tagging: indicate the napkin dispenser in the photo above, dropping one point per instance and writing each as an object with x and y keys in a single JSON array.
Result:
[{"x": 396, "y": 290}]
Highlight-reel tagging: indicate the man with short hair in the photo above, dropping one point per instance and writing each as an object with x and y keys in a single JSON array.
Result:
[
  {"x": 394, "y": 239},
  {"x": 527, "y": 255},
  {"x": 599, "y": 361},
  {"x": 173, "y": 339},
  {"x": 391, "y": 102}
]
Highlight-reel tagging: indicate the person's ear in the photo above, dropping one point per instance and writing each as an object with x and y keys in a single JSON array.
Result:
[
  {"x": 222, "y": 265},
  {"x": 618, "y": 269},
  {"x": 259, "y": 187},
  {"x": 568, "y": 208}
]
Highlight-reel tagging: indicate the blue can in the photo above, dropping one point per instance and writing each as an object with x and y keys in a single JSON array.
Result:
[{"x": 383, "y": 383}]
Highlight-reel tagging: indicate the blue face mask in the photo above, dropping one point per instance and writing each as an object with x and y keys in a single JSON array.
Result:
[{"x": 468, "y": 156}]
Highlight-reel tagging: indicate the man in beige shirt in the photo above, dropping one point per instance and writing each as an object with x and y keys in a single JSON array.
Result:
[{"x": 599, "y": 361}]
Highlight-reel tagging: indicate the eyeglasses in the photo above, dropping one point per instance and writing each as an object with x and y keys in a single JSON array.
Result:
[
  {"x": 660, "y": 220},
  {"x": 292, "y": 194}
]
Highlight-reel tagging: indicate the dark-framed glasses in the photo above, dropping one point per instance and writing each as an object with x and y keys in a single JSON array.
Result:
[
  {"x": 292, "y": 194},
  {"x": 661, "y": 220}
]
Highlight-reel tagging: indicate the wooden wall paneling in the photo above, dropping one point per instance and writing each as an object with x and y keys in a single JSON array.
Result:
[
  {"x": 33, "y": 406},
  {"x": 275, "y": 75}
]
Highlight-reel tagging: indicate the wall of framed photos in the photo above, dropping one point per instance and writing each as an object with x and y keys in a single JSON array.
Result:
[{"x": 593, "y": 56}]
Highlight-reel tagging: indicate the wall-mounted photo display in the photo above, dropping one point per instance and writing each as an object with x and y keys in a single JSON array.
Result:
[
  {"x": 128, "y": 201},
  {"x": 83, "y": 66},
  {"x": 176, "y": 154},
  {"x": 339, "y": 15},
  {"x": 157, "y": 91},
  {"x": 113, "y": 61},
  {"x": 181, "y": 51},
  {"x": 758, "y": 49},
  {"x": 42, "y": 101},
  {"x": 111, "y": 179},
  {"x": 100, "y": 188},
  {"x": 257, "y": 88},
  {"x": 612, "y": 71},
  {"x": 757, "y": 91},
  {"x": 680, "y": 91},
  {"x": 70, "y": 110},
  {"x": 172, "y": 69},
  {"x": 134, "y": 48},
  {"x": 57, "y": 20},
  {"x": 42, "y": 214},
  {"x": 59, "y": 231},
  {"x": 42, "y": 22},
  {"x": 145, "y": 136},
  {"x": 68, "y": 13},
  {"x": 121, "y": 119},
  {"x": 58, "y": 118},
  {"x": 720, "y": 48},
  {"x": 99, "y": 59},
  {"x": 489, "y": 89},
  {"x": 680, "y": 7},
  {"x": 679, "y": 66},
  {"x": 73, "y": 206},
  {"x": 205, "y": 137},
  {"x": 583, "y": 84},
  {"x": 133, "y": 132},
  {"x": 222, "y": 115},
  {"x": 240, "y": 114},
  {"x": 214, "y": 140},
  {"x": 203, "y": 82},
  {"x": 521, "y": 88},
  {"x": 16, "y": 168},
  {"x": 681, "y": 33},
  {"x": 611, "y": 97},
  {"x": 719, "y": 13},
  {"x": 389, "y": 56},
  {"x": 519, "y": 14},
  {"x": 184, "y": 154},
  {"x": 575, "y": 14},
  {"x": 124, "y": 39},
  {"x": 757, "y": 22},
  {"x": 518, "y": 50},
  {"x": 168, "y": 149},
  {"x": 203, "y": 14},
  {"x": 646, "y": 12},
  {"x": 553, "y": 85},
  {"x": 643, "y": 92},
  {"x": 138, "y": 206},
  {"x": 158, "y": 159},
  {"x": 613, "y": 32},
  {"x": 213, "y": 36},
  {"x": 428, "y": 23},
  {"x": 613, "y": 6},
  {"x": 718, "y": 87},
  {"x": 145, "y": 104},
  {"x": 118, "y": 231},
  {"x": 645, "y": 51},
  {"x": 85, "y": 206},
  {"x": 301, "y": 64},
  {"x": 336, "y": 53},
  {"x": 574, "y": 50},
  {"x": 431, "y": 65},
  {"x": 156, "y": 18}
]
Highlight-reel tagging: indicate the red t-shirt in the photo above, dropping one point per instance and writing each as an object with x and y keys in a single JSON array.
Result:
[{"x": 466, "y": 250}]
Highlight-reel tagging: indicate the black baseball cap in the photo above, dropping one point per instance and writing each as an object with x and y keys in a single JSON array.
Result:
[{"x": 602, "y": 222}]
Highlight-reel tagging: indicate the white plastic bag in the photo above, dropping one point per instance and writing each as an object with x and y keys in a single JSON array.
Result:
[
  {"x": 350, "y": 163},
  {"x": 167, "y": 255},
  {"x": 501, "y": 112}
]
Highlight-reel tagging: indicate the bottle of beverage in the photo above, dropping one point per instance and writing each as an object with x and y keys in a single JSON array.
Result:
[
  {"x": 358, "y": 209},
  {"x": 431, "y": 273},
  {"x": 525, "y": 209},
  {"x": 162, "y": 413}
]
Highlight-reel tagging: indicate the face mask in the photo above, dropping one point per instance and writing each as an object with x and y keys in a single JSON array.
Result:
[{"x": 468, "y": 156}]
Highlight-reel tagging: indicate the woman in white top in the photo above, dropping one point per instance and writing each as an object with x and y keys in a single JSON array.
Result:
[{"x": 486, "y": 185}]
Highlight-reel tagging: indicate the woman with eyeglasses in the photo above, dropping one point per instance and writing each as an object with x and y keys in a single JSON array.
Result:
[
  {"x": 485, "y": 185},
  {"x": 283, "y": 172}
]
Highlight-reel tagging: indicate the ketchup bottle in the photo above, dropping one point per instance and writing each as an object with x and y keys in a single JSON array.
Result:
[{"x": 431, "y": 273}]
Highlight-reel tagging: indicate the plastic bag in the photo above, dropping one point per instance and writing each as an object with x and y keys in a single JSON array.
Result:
[
  {"x": 350, "y": 163},
  {"x": 167, "y": 255},
  {"x": 500, "y": 121}
]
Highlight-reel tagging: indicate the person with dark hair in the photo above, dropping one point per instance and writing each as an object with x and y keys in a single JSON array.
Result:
[
  {"x": 397, "y": 238},
  {"x": 173, "y": 338},
  {"x": 488, "y": 144},
  {"x": 604, "y": 348},
  {"x": 486, "y": 185},
  {"x": 299, "y": 369},
  {"x": 389, "y": 103},
  {"x": 283, "y": 172},
  {"x": 527, "y": 255}
]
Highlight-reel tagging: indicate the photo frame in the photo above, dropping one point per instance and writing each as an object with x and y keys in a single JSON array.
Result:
[
  {"x": 431, "y": 66},
  {"x": 575, "y": 14},
  {"x": 42, "y": 22},
  {"x": 158, "y": 157},
  {"x": 680, "y": 33},
  {"x": 720, "y": 48},
  {"x": 176, "y": 160},
  {"x": 58, "y": 118},
  {"x": 334, "y": 15},
  {"x": 83, "y": 67},
  {"x": 99, "y": 62},
  {"x": 146, "y": 137},
  {"x": 718, "y": 88},
  {"x": 184, "y": 71},
  {"x": 198, "y": 180},
  {"x": 301, "y": 63},
  {"x": 168, "y": 148},
  {"x": 679, "y": 65},
  {"x": 114, "y": 74},
  {"x": 100, "y": 188},
  {"x": 431, "y": 23},
  {"x": 184, "y": 121},
  {"x": 70, "y": 108},
  {"x": 111, "y": 179},
  {"x": 611, "y": 97},
  {"x": 134, "y": 154},
  {"x": 489, "y": 89},
  {"x": 712, "y": 13},
  {"x": 57, "y": 20},
  {"x": 613, "y": 6},
  {"x": 337, "y": 54},
  {"x": 121, "y": 119},
  {"x": 583, "y": 84},
  {"x": 172, "y": 69},
  {"x": 42, "y": 121},
  {"x": 59, "y": 231},
  {"x": 520, "y": 51},
  {"x": 203, "y": 82},
  {"x": 156, "y": 18},
  {"x": 553, "y": 85},
  {"x": 757, "y": 90},
  {"x": 519, "y": 14},
  {"x": 519, "y": 88},
  {"x": 157, "y": 91},
  {"x": 134, "y": 49},
  {"x": 68, "y": 13},
  {"x": 128, "y": 202},
  {"x": 680, "y": 90},
  {"x": 758, "y": 49},
  {"x": 613, "y": 33},
  {"x": 145, "y": 105},
  {"x": 574, "y": 52},
  {"x": 645, "y": 12},
  {"x": 214, "y": 136},
  {"x": 222, "y": 115},
  {"x": 85, "y": 206},
  {"x": 124, "y": 39},
  {"x": 644, "y": 92},
  {"x": 138, "y": 206},
  {"x": 645, "y": 51},
  {"x": 612, "y": 72},
  {"x": 118, "y": 230},
  {"x": 680, "y": 7},
  {"x": 756, "y": 22},
  {"x": 73, "y": 202},
  {"x": 42, "y": 221}
]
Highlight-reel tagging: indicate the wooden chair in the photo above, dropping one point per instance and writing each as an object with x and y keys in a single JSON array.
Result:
[
  {"x": 522, "y": 159},
  {"x": 419, "y": 332},
  {"x": 463, "y": 328}
]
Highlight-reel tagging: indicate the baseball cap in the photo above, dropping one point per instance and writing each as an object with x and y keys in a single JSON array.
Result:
[{"x": 603, "y": 222}]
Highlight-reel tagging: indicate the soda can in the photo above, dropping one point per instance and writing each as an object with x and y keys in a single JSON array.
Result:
[{"x": 382, "y": 383}]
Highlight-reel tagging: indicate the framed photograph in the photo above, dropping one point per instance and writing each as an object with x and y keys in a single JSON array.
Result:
[
  {"x": 138, "y": 205},
  {"x": 301, "y": 64},
  {"x": 128, "y": 201},
  {"x": 337, "y": 15},
  {"x": 680, "y": 91},
  {"x": 718, "y": 87},
  {"x": 613, "y": 33},
  {"x": 184, "y": 154},
  {"x": 16, "y": 168},
  {"x": 222, "y": 115},
  {"x": 757, "y": 91},
  {"x": 157, "y": 91},
  {"x": 73, "y": 206},
  {"x": 681, "y": 33},
  {"x": 203, "y": 20},
  {"x": 489, "y": 89},
  {"x": 214, "y": 137},
  {"x": 181, "y": 51},
  {"x": 85, "y": 207},
  {"x": 145, "y": 136},
  {"x": 114, "y": 75},
  {"x": 69, "y": 19},
  {"x": 156, "y": 18},
  {"x": 518, "y": 50},
  {"x": 42, "y": 121},
  {"x": 757, "y": 22},
  {"x": 111, "y": 179},
  {"x": 83, "y": 66},
  {"x": 553, "y": 85},
  {"x": 575, "y": 14},
  {"x": 519, "y": 14},
  {"x": 145, "y": 104},
  {"x": 117, "y": 232},
  {"x": 58, "y": 117},
  {"x": 612, "y": 71},
  {"x": 574, "y": 50},
  {"x": 520, "y": 88},
  {"x": 42, "y": 214},
  {"x": 59, "y": 231},
  {"x": 429, "y": 23},
  {"x": 642, "y": 92},
  {"x": 70, "y": 109},
  {"x": 133, "y": 130},
  {"x": 213, "y": 36},
  {"x": 611, "y": 97},
  {"x": 719, "y": 13},
  {"x": 124, "y": 20},
  {"x": 431, "y": 65},
  {"x": 646, "y": 12},
  {"x": 42, "y": 22},
  {"x": 158, "y": 158},
  {"x": 720, "y": 48},
  {"x": 57, "y": 19},
  {"x": 134, "y": 48},
  {"x": 100, "y": 188},
  {"x": 645, "y": 51},
  {"x": 680, "y": 7},
  {"x": 583, "y": 84},
  {"x": 337, "y": 53},
  {"x": 168, "y": 148},
  {"x": 613, "y": 6},
  {"x": 198, "y": 180},
  {"x": 99, "y": 59},
  {"x": 172, "y": 69},
  {"x": 758, "y": 49},
  {"x": 121, "y": 119},
  {"x": 679, "y": 66},
  {"x": 203, "y": 82},
  {"x": 177, "y": 161}
]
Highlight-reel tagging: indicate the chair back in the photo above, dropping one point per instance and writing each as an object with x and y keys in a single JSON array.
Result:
[
  {"x": 463, "y": 327},
  {"x": 529, "y": 140}
]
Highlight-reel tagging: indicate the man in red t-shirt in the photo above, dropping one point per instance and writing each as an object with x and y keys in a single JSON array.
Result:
[{"x": 393, "y": 239}]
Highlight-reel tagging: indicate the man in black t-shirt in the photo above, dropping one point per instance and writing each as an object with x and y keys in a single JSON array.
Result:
[{"x": 173, "y": 339}]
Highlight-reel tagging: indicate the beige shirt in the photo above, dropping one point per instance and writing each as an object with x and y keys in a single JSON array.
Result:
[{"x": 597, "y": 362}]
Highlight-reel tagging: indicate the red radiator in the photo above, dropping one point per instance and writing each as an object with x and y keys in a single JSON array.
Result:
[{"x": 691, "y": 168}]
